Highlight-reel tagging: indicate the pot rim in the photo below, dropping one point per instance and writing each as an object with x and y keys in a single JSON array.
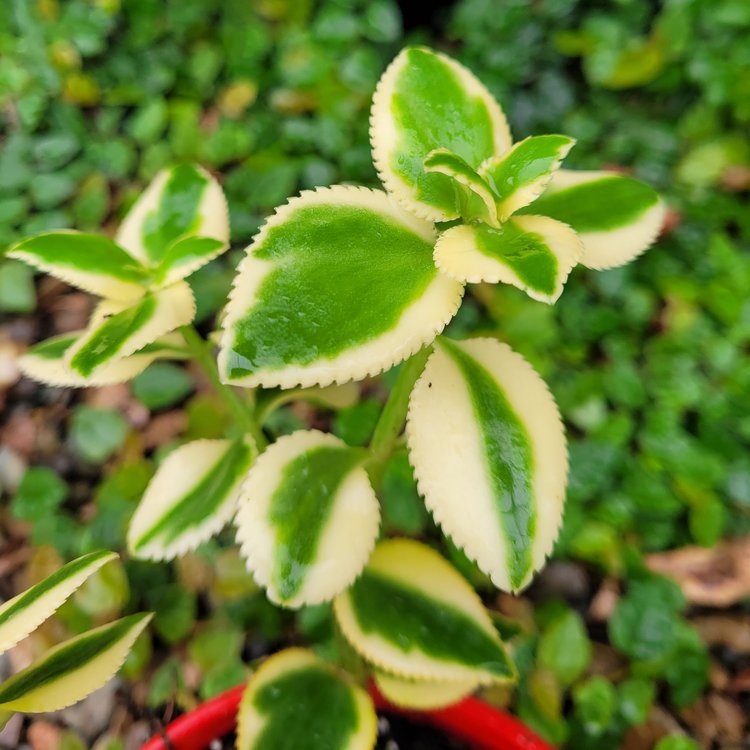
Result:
[{"x": 483, "y": 726}]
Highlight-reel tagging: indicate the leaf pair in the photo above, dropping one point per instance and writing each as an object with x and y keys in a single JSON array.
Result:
[
  {"x": 489, "y": 454},
  {"x": 307, "y": 521},
  {"x": 75, "y": 668},
  {"x": 177, "y": 225}
]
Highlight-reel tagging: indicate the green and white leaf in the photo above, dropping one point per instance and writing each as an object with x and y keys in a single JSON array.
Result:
[
  {"x": 534, "y": 253},
  {"x": 118, "y": 330},
  {"x": 412, "y": 615},
  {"x": 474, "y": 197},
  {"x": 338, "y": 285},
  {"x": 422, "y": 695},
  {"x": 181, "y": 203},
  {"x": 47, "y": 362},
  {"x": 489, "y": 456},
  {"x": 88, "y": 261},
  {"x": 616, "y": 217},
  {"x": 22, "y": 614},
  {"x": 426, "y": 101},
  {"x": 190, "y": 498},
  {"x": 296, "y": 701},
  {"x": 308, "y": 518},
  {"x": 72, "y": 670},
  {"x": 519, "y": 176}
]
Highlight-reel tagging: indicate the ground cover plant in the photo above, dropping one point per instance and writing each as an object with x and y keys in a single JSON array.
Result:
[{"x": 667, "y": 443}]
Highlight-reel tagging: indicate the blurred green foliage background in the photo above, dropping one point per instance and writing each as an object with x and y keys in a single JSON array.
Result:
[{"x": 649, "y": 363}]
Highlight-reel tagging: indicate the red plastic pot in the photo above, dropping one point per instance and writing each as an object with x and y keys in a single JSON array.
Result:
[{"x": 471, "y": 720}]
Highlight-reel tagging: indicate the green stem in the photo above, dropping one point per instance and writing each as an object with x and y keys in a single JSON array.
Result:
[
  {"x": 393, "y": 416},
  {"x": 239, "y": 409}
]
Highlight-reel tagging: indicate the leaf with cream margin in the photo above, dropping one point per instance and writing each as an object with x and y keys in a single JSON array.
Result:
[
  {"x": 295, "y": 697},
  {"x": 22, "y": 614},
  {"x": 426, "y": 101},
  {"x": 422, "y": 695},
  {"x": 47, "y": 361},
  {"x": 73, "y": 669},
  {"x": 89, "y": 261},
  {"x": 412, "y": 615},
  {"x": 475, "y": 199},
  {"x": 338, "y": 285},
  {"x": 308, "y": 518},
  {"x": 118, "y": 330},
  {"x": 534, "y": 253},
  {"x": 182, "y": 204},
  {"x": 489, "y": 454},
  {"x": 519, "y": 176},
  {"x": 190, "y": 498},
  {"x": 616, "y": 217}
]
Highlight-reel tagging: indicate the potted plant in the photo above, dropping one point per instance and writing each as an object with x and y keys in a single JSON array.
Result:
[{"x": 342, "y": 283}]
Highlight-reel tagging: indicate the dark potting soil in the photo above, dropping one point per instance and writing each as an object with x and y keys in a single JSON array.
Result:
[
  {"x": 394, "y": 733},
  {"x": 398, "y": 733}
]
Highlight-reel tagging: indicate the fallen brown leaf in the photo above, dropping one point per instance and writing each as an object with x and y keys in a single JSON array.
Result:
[
  {"x": 164, "y": 428},
  {"x": 725, "y": 630},
  {"x": 606, "y": 662},
  {"x": 718, "y": 676},
  {"x": 741, "y": 682},
  {"x": 44, "y": 735},
  {"x": 717, "y": 577},
  {"x": 71, "y": 312},
  {"x": 736, "y": 178},
  {"x": 605, "y": 600},
  {"x": 20, "y": 433},
  {"x": 715, "y": 718}
]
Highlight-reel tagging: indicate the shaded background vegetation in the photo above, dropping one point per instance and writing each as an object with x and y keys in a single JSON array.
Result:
[{"x": 649, "y": 363}]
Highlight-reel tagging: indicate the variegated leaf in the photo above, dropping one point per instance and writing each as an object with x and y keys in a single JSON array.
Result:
[
  {"x": 88, "y": 261},
  {"x": 338, "y": 285},
  {"x": 412, "y": 615},
  {"x": 489, "y": 455},
  {"x": 296, "y": 701},
  {"x": 118, "y": 330},
  {"x": 72, "y": 670},
  {"x": 519, "y": 176},
  {"x": 182, "y": 203},
  {"x": 426, "y": 101},
  {"x": 474, "y": 197},
  {"x": 533, "y": 253},
  {"x": 616, "y": 217},
  {"x": 24, "y": 613},
  {"x": 422, "y": 695},
  {"x": 190, "y": 498},
  {"x": 47, "y": 362},
  {"x": 308, "y": 518}
]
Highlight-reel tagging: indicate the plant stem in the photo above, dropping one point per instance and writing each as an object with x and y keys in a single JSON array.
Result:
[
  {"x": 392, "y": 418},
  {"x": 239, "y": 409}
]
